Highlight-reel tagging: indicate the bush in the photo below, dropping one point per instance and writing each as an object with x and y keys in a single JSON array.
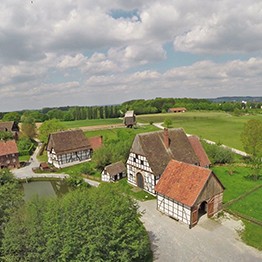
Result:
[
  {"x": 25, "y": 146},
  {"x": 218, "y": 154}
]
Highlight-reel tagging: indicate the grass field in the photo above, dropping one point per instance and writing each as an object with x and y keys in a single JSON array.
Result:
[
  {"x": 235, "y": 184},
  {"x": 220, "y": 127},
  {"x": 111, "y": 134},
  {"x": 92, "y": 122}
]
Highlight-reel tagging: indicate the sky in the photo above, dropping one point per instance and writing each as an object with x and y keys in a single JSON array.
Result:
[{"x": 102, "y": 52}]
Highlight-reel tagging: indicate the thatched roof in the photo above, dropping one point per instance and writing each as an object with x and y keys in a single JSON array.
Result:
[
  {"x": 152, "y": 145},
  {"x": 115, "y": 168},
  {"x": 68, "y": 141}
]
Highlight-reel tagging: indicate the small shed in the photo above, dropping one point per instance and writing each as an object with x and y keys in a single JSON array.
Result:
[
  {"x": 114, "y": 172},
  {"x": 130, "y": 119},
  {"x": 44, "y": 166},
  {"x": 185, "y": 192}
]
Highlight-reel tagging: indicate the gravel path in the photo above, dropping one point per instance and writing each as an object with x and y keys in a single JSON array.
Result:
[{"x": 209, "y": 240}]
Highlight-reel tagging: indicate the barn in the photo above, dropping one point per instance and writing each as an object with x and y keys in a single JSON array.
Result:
[
  {"x": 177, "y": 110},
  {"x": 129, "y": 119},
  {"x": 114, "y": 172},
  {"x": 10, "y": 126},
  {"x": 70, "y": 146},
  {"x": 185, "y": 192}
]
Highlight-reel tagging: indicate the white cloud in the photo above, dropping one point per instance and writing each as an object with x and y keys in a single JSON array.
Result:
[{"x": 48, "y": 45}]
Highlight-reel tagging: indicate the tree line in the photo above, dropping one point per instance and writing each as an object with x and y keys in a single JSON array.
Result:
[{"x": 140, "y": 106}]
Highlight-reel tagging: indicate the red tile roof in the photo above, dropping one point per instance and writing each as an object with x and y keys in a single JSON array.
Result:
[
  {"x": 183, "y": 182},
  {"x": 7, "y": 148},
  {"x": 199, "y": 150},
  {"x": 95, "y": 142}
]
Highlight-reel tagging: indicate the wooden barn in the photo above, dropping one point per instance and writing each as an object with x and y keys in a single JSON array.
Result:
[
  {"x": 185, "y": 192},
  {"x": 68, "y": 147},
  {"x": 129, "y": 119},
  {"x": 10, "y": 126},
  {"x": 177, "y": 110},
  {"x": 114, "y": 172},
  {"x": 151, "y": 152},
  {"x": 9, "y": 154}
]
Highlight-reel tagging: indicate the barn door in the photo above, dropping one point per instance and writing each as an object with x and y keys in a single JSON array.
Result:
[
  {"x": 194, "y": 216},
  {"x": 140, "y": 180},
  {"x": 210, "y": 208}
]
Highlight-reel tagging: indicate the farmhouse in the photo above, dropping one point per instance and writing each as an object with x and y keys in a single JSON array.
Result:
[
  {"x": 69, "y": 146},
  {"x": 10, "y": 126},
  {"x": 130, "y": 119},
  {"x": 177, "y": 110},
  {"x": 186, "y": 191},
  {"x": 8, "y": 154},
  {"x": 114, "y": 172},
  {"x": 151, "y": 152}
]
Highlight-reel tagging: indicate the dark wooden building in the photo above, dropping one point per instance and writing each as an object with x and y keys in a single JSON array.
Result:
[
  {"x": 10, "y": 126},
  {"x": 9, "y": 154},
  {"x": 129, "y": 119}
]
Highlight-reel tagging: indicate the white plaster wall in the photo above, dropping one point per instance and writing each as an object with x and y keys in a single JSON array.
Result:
[{"x": 174, "y": 209}]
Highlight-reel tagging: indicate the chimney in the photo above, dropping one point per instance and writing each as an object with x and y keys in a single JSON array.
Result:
[{"x": 166, "y": 138}]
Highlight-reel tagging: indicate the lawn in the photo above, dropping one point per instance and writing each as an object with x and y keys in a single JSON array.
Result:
[
  {"x": 252, "y": 235},
  {"x": 92, "y": 122},
  {"x": 250, "y": 205},
  {"x": 220, "y": 127},
  {"x": 111, "y": 134},
  {"x": 235, "y": 184}
]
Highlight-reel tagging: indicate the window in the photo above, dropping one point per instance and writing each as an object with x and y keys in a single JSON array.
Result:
[
  {"x": 134, "y": 159},
  {"x": 142, "y": 162},
  {"x": 136, "y": 155}
]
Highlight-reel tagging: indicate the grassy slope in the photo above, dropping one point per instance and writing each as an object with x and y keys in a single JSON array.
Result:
[{"x": 216, "y": 126}]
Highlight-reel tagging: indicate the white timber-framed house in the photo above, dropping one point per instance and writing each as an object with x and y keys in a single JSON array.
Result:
[
  {"x": 113, "y": 172},
  {"x": 185, "y": 192},
  {"x": 67, "y": 147},
  {"x": 151, "y": 152}
]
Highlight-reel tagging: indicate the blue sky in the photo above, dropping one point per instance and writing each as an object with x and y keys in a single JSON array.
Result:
[{"x": 85, "y": 52}]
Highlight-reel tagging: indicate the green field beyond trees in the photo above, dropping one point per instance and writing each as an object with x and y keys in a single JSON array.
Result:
[{"x": 220, "y": 127}]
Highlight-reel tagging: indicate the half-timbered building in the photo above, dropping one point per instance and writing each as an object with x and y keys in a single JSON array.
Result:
[
  {"x": 68, "y": 147},
  {"x": 186, "y": 191},
  {"x": 8, "y": 154},
  {"x": 113, "y": 172},
  {"x": 151, "y": 152}
]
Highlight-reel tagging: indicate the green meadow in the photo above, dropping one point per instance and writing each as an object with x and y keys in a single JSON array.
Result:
[
  {"x": 219, "y": 127},
  {"x": 92, "y": 122}
]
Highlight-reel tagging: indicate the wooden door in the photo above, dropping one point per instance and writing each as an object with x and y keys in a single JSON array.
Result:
[
  {"x": 210, "y": 208},
  {"x": 194, "y": 216},
  {"x": 140, "y": 180}
]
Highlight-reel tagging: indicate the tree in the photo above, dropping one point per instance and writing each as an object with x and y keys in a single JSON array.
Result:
[
  {"x": 251, "y": 137},
  {"x": 12, "y": 116},
  {"x": 48, "y": 127},
  {"x": 94, "y": 224},
  {"x": 28, "y": 126},
  {"x": 168, "y": 122},
  {"x": 10, "y": 198},
  {"x": 6, "y": 135},
  {"x": 252, "y": 141}
]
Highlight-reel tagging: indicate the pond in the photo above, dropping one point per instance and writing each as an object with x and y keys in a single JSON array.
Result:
[{"x": 52, "y": 188}]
